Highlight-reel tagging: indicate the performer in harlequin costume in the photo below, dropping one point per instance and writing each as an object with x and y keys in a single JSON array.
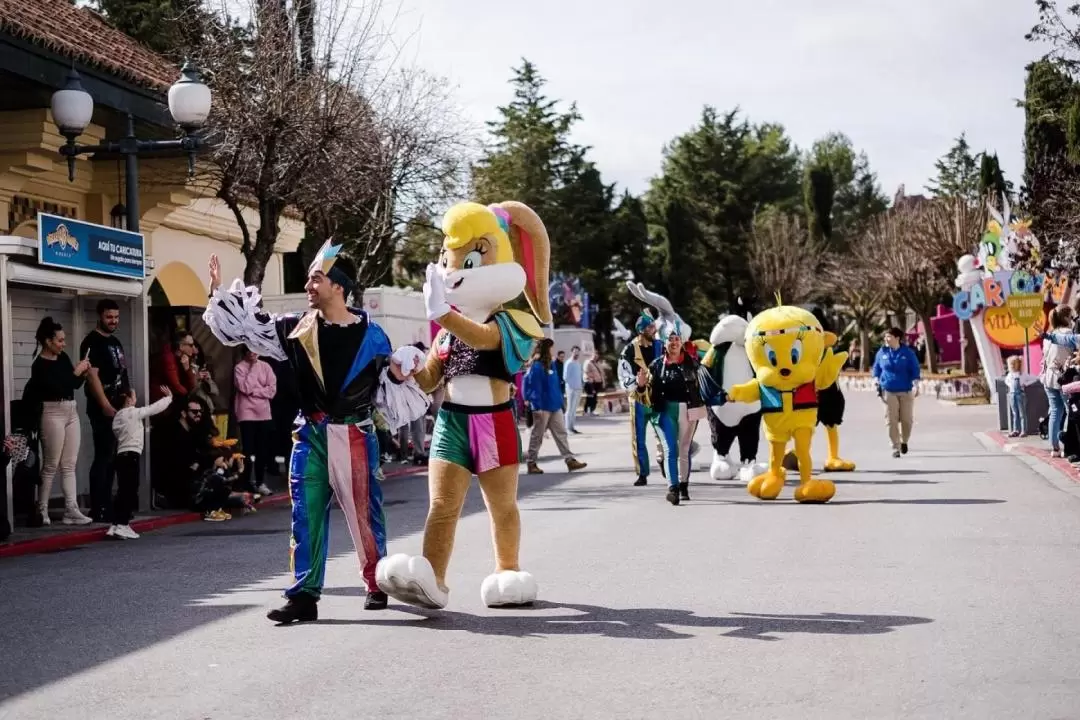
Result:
[
  {"x": 344, "y": 367},
  {"x": 729, "y": 366},
  {"x": 636, "y": 356},
  {"x": 489, "y": 256},
  {"x": 830, "y": 414},
  {"x": 793, "y": 360}
]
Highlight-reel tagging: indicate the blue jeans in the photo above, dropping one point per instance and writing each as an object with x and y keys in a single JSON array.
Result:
[
  {"x": 1017, "y": 414},
  {"x": 1057, "y": 416}
]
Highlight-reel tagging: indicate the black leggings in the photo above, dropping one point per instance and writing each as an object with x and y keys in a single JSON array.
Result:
[{"x": 126, "y": 501}]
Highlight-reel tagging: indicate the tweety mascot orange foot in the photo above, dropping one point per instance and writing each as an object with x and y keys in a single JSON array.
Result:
[
  {"x": 793, "y": 359},
  {"x": 489, "y": 256}
]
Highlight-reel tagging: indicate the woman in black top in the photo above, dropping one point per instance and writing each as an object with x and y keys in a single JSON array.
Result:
[
  {"x": 53, "y": 381},
  {"x": 672, "y": 388}
]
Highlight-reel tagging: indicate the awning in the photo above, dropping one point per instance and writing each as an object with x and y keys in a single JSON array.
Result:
[{"x": 48, "y": 277}]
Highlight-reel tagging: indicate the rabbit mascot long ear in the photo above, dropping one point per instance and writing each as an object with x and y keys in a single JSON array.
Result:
[{"x": 490, "y": 256}]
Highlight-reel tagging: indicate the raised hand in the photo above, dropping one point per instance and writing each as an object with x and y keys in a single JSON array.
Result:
[
  {"x": 215, "y": 272},
  {"x": 165, "y": 390},
  {"x": 83, "y": 365},
  {"x": 435, "y": 293}
]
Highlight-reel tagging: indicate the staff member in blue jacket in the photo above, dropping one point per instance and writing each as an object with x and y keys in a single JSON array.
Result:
[
  {"x": 896, "y": 372},
  {"x": 544, "y": 395}
]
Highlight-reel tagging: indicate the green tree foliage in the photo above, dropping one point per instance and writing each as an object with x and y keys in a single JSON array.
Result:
[
  {"x": 713, "y": 179},
  {"x": 820, "y": 196},
  {"x": 165, "y": 26},
  {"x": 532, "y": 159},
  {"x": 991, "y": 178},
  {"x": 957, "y": 172}
]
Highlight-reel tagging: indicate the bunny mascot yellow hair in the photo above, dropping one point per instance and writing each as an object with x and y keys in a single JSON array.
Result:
[
  {"x": 489, "y": 256},
  {"x": 793, "y": 361}
]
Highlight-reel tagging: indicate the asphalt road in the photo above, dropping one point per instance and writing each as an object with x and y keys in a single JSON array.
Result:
[{"x": 942, "y": 585}]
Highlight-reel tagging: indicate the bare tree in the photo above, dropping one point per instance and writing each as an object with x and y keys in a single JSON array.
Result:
[
  {"x": 915, "y": 277},
  {"x": 953, "y": 228},
  {"x": 416, "y": 166},
  {"x": 312, "y": 116},
  {"x": 853, "y": 278},
  {"x": 783, "y": 258}
]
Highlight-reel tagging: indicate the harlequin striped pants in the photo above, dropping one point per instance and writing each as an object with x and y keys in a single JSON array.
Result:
[{"x": 334, "y": 460}]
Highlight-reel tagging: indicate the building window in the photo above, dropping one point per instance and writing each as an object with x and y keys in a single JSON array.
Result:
[{"x": 24, "y": 208}]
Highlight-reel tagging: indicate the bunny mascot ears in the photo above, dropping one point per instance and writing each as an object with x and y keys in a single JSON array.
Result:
[{"x": 532, "y": 250}]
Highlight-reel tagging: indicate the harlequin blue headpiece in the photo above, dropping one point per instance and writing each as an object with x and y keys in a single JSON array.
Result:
[
  {"x": 644, "y": 320},
  {"x": 675, "y": 327},
  {"x": 326, "y": 261}
]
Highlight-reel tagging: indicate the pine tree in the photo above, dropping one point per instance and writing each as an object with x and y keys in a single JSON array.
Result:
[{"x": 957, "y": 172}]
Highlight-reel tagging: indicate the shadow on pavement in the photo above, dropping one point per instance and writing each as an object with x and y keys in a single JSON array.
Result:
[
  {"x": 640, "y": 623},
  {"x": 913, "y": 471},
  {"x": 62, "y": 612}
]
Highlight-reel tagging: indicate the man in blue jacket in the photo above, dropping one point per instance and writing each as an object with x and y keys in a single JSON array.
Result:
[
  {"x": 544, "y": 395},
  {"x": 896, "y": 372}
]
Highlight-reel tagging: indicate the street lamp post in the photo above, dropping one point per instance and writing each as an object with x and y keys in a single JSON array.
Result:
[{"x": 189, "y": 104}]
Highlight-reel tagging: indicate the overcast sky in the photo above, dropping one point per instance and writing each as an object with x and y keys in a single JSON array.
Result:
[{"x": 902, "y": 78}]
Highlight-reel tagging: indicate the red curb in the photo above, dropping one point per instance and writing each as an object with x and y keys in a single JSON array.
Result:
[
  {"x": 1060, "y": 464},
  {"x": 62, "y": 541}
]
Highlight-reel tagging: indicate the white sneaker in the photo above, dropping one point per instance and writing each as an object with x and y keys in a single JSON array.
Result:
[
  {"x": 45, "y": 519},
  {"x": 263, "y": 490},
  {"x": 74, "y": 516},
  {"x": 125, "y": 532},
  {"x": 111, "y": 531}
]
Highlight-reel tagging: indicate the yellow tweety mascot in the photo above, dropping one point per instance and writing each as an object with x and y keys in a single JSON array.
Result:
[{"x": 793, "y": 359}]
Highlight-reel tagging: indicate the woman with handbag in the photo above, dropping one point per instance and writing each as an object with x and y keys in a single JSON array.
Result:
[{"x": 672, "y": 387}]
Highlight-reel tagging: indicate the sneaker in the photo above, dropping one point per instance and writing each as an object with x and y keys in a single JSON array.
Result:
[
  {"x": 375, "y": 600},
  {"x": 263, "y": 490},
  {"x": 111, "y": 532},
  {"x": 124, "y": 532},
  {"x": 43, "y": 514},
  {"x": 896, "y": 453},
  {"x": 73, "y": 516},
  {"x": 903, "y": 448}
]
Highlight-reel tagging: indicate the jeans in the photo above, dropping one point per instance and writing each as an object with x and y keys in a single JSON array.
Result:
[
  {"x": 573, "y": 399},
  {"x": 1017, "y": 414},
  {"x": 1057, "y": 416},
  {"x": 256, "y": 439},
  {"x": 102, "y": 470}
]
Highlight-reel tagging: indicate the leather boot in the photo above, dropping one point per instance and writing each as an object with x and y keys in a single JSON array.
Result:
[{"x": 299, "y": 608}]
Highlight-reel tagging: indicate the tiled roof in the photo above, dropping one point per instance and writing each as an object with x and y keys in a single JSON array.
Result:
[{"x": 81, "y": 34}]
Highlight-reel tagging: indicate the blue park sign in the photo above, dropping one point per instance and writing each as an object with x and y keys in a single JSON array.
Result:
[{"x": 86, "y": 247}]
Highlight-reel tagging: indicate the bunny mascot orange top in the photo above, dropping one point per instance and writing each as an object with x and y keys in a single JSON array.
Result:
[{"x": 489, "y": 256}]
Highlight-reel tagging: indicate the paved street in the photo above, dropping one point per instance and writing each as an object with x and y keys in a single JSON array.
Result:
[{"x": 942, "y": 585}]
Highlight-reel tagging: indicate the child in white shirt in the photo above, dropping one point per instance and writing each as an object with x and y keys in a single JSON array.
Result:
[
  {"x": 128, "y": 428},
  {"x": 1015, "y": 382}
]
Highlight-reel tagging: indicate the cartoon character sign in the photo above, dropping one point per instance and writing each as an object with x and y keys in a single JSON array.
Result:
[
  {"x": 489, "y": 256},
  {"x": 793, "y": 360}
]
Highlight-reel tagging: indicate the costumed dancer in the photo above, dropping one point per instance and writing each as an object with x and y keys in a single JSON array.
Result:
[
  {"x": 831, "y": 406},
  {"x": 793, "y": 359},
  {"x": 678, "y": 390},
  {"x": 344, "y": 367},
  {"x": 489, "y": 256},
  {"x": 729, "y": 366},
  {"x": 637, "y": 356}
]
